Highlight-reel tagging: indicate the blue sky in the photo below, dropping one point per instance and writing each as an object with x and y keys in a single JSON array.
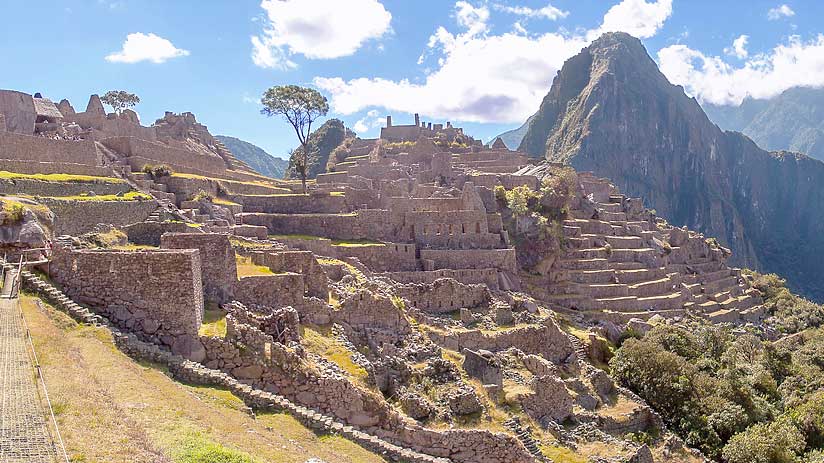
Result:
[{"x": 483, "y": 64}]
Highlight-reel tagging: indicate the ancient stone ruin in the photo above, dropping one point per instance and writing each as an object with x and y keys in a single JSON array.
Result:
[{"x": 454, "y": 311}]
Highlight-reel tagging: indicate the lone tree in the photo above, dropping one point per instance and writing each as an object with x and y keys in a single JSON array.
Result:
[
  {"x": 300, "y": 107},
  {"x": 120, "y": 100}
]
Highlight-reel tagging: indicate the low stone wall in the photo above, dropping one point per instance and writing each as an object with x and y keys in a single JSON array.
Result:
[
  {"x": 104, "y": 127},
  {"x": 486, "y": 276},
  {"x": 157, "y": 294},
  {"x": 219, "y": 265},
  {"x": 303, "y": 262},
  {"x": 36, "y": 167},
  {"x": 547, "y": 340},
  {"x": 30, "y": 148},
  {"x": 149, "y": 233},
  {"x": 78, "y": 217},
  {"x": 41, "y": 188},
  {"x": 502, "y": 259},
  {"x": 270, "y": 290},
  {"x": 389, "y": 257}
]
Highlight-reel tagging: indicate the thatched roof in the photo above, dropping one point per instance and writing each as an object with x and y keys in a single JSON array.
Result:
[{"x": 45, "y": 107}]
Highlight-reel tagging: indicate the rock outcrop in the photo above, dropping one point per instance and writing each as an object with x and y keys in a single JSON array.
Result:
[{"x": 611, "y": 111}]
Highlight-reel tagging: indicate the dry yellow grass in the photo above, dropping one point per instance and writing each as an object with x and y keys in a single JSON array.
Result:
[
  {"x": 246, "y": 268},
  {"x": 319, "y": 340},
  {"x": 115, "y": 410}
]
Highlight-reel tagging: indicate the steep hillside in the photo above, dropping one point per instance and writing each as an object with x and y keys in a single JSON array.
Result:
[
  {"x": 323, "y": 140},
  {"x": 258, "y": 159},
  {"x": 793, "y": 120},
  {"x": 512, "y": 138},
  {"x": 611, "y": 111}
]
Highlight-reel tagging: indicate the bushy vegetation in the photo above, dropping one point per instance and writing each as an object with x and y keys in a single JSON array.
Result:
[
  {"x": 157, "y": 171},
  {"x": 788, "y": 312},
  {"x": 202, "y": 195},
  {"x": 12, "y": 212},
  {"x": 734, "y": 396}
]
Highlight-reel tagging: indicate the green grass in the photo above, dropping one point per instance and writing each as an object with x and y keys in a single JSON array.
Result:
[
  {"x": 246, "y": 268},
  {"x": 357, "y": 243},
  {"x": 224, "y": 202},
  {"x": 58, "y": 177},
  {"x": 128, "y": 196},
  {"x": 319, "y": 340},
  {"x": 225, "y": 180},
  {"x": 337, "y": 193},
  {"x": 296, "y": 237},
  {"x": 214, "y": 322},
  {"x": 196, "y": 448}
]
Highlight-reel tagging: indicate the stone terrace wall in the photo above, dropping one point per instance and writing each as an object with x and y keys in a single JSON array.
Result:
[
  {"x": 78, "y": 217},
  {"x": 270, "y": 290},
  {"x": 219, "y": 265},
  {"x": 503, "y": 259},
  {"x": 34, "y": 167},
  {"x": 487, "y": 276},
  {"x": 149, "y": 233},
  {"x": 548, "y": 340},
  {"x": 369, "y": 224},
  {"x": 444, "y": 295},
  {"x": 41, "y": 188},
  {"x": 30, "y": 148},
  {"x": 160, "y": 153},
  {"x": 105, "y": 127},
  {"x": 291, "y": 204},
  {"x": 303, "y": 262},
  {"x": 157, "y": 294},
  {"x": 390, "y": 257}
]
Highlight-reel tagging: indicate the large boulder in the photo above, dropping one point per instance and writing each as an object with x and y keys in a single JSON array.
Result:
[
  {"x": 464, "y": 401},
  {"x": 483, "y": 365}
]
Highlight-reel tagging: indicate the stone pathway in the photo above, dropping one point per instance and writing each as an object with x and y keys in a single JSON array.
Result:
[{"x": 24, "y": 435}]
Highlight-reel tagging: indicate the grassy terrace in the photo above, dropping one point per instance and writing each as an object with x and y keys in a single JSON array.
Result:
[
  {"x": 335, "y": 242},
  {"x": 247, "y": 268},
  {"x": 58, "y": 178},
  {"x": 261, "y": 183},
  {"x": 128, "y": 196},
  {"x": 115, "y": 410},
  {"x": 224, "y": 202}
]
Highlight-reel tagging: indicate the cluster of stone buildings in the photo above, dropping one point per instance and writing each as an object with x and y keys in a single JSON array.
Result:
[{"x": 403, "y": 250}]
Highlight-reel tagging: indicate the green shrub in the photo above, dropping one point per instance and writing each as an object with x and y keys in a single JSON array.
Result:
[
  {"x": 203, "y": 196},
  {"x": 12, "y": 212},
  {"x": 157, "y": 171}
]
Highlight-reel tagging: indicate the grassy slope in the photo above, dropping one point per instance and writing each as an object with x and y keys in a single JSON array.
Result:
[{"x": 113, "y": 409}]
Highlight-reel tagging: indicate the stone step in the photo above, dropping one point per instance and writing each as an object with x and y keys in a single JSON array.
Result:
[
  {"x": 627, "y": 265},
  {"x": 610, "y": 207},
  {"x": 613, "y": 217},
  {"x": 571, "y": 231},
  {"x": 634, "y": 255},
  {"x": 640, "y": 275},
  {"x": 665, "y": 301},
  {"x": 589, "y": 253},
  {"x": 592, "y": 276},
  {"x": 625, "y": 242},
  {"x": 582, "y": 264},
  {"x": 655, "y": 287}
]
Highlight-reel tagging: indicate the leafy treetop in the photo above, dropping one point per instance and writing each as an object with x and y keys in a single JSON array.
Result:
[{"x": 120, "y": 100}]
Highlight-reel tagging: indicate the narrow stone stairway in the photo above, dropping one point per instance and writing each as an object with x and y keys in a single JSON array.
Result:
[{"x": 514, "y": 425}]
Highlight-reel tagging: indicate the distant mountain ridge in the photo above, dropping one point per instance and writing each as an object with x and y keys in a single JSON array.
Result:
[
  {"x": 793, "y": 120},
  {"x": 611, "y": 111},
  {"x": 257, "y": 158},
  {"x": 512, "y": 138}
]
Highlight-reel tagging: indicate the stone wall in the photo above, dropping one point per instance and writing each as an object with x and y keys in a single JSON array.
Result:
[
  {"x": 40, "y": 149},
  {"x": 291, "y": 204},
  {"x": 270, "y": 290},
  {"x": 219, "y": 265},
  {"x": 303, "y": 262},
  {"x": 78, "y": 217},
  {"x": 371, "y": 311},
  {"x": 149, "y": 233},
  {"x": 547, "y": 340},
  {"x": 444, "y": 295},
  {"x": 41, "y": 188},
  {"x": 157, "y": 294},
  {"x": 486, "y": 276},
  {"x": 35, "y": 167},
  {"x": 105, "y": 126},
  {"x": 156, "y": 152},
  {"x": 502, "y": 259},
  {"x": 370, "y": 224},
  {"x": 18, "y": 111}
]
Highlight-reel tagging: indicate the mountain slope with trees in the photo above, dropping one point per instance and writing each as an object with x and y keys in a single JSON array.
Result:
[{"x": 257, "y": 158}]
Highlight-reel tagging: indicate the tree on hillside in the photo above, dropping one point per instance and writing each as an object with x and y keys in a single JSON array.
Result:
[
  {"x": 301, "y": 107},
  {"x": 120, "y": 100}
]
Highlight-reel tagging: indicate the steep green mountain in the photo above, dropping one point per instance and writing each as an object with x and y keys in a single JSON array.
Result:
[
  {"x": 258, "y": 159},
  {"x": 793, "y": 120},
  {"x": 611, "y": 111},
  {"x": 323, "y": 140},
  {"x": 512, "y": 138}
]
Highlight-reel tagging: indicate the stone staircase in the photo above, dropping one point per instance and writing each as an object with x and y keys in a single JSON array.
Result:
[
  {"x": 626, "y": 267},
  {"x": 523, "y": 435}
]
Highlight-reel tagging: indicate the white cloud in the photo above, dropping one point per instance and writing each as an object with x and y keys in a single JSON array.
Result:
[
  {"x": 781, "y": 11},
  {"x": 549, "y": 11},
  {"x": 483, "y": 77},
  {"x": 636, "y": 17},
  {"x": 146, "y": 47},
  {"x": 739, "y": 47},
  {"x": 316, "y": 29},
  {"x": 711, "y": 79},
  {"x": 368, "y": 122}
]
